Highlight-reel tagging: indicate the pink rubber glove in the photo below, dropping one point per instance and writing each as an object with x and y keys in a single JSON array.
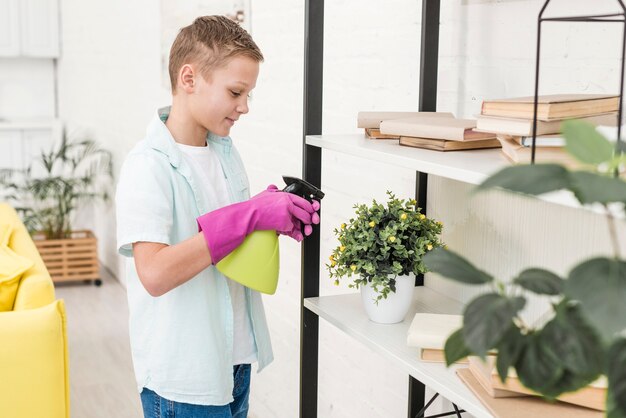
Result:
[
  {"x": 225, "y": 229},
  {"x": 296, "y": 232}
]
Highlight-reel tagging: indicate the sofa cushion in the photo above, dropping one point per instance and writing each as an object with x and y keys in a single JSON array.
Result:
[
  {"x": 12, "y": 266},
  {"x": 34, "y": 363}
]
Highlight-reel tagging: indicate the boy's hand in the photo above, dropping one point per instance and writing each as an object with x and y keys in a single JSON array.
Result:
[{"x": 225, "y": 229}]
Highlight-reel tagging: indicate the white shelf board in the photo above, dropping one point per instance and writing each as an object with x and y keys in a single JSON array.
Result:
[
  {"x": 346, "y": 313},
  {"x": 472, "y": 166}
]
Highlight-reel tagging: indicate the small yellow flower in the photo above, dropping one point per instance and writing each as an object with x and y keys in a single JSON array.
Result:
[
  {"x": 336, "y": 282},
  {"x": 429, "y": 247},
  {"x": 343, "y": 226},
  {"x": 353, "y": 267},
  {"x": 342, "y": 248},
  {"x": 422, "y": 216},
  {"x": 332, "y": 257},
  {"x": 403, "y": 216},
  {"x": 413, "y": 202},
  {"x": 333, "y": 263},
  {"x": 439, "y": 223},
  {"x": 372, "y": 224},
  {"x": 392, "y": 238}
]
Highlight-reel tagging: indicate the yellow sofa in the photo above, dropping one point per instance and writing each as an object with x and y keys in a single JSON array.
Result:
[{"x": 34, "y": 372}]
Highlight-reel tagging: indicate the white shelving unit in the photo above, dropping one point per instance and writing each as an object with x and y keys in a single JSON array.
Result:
[
  {"x": 471, "y": 167},
  {"x": 346, "y": 313}
]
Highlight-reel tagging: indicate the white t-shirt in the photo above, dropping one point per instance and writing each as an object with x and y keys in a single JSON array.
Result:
[{"x": 204, "y": 161}]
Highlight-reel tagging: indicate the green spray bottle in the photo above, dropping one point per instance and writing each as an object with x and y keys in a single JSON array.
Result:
[{"x": 255, "y": 263}]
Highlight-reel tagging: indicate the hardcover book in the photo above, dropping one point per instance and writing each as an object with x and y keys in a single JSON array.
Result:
[
  {"x": 444, "y": 145},
  {"x": 373, "y": 119},
  {"x": 524, "y": 127},
  {"x": 550, "y": 107},
  {"x": 450, "y": 129}
]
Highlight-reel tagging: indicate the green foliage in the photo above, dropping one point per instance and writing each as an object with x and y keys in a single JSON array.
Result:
[
  {"x": 381, "y": 242},
  {"x": 585, "y": 336},
  {"x": 74, "y": 173}
]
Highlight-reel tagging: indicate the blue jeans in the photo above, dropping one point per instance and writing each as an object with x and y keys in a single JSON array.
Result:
[{"x": 155, "y": 406}]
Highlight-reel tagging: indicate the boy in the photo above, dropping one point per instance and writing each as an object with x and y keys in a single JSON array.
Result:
[{"x": 194, "y": 332}]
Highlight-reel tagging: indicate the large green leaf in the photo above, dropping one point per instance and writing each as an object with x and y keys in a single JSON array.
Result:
[
  {"x": 540, "y": 281},
  {"x": 585, "y": 143},
  {"x": 574, "y": 343},
  {"x": 509, "y": 348},
  {"x": 617, "y": 376},
  {"x": 455, "y": 348},
  {"x": 455, "y": 267},
  {"x": 536, "y": 367},
  {"x": 487, "y": 318},
  {"x": 591, "y": 187},
  {"x": 529, "y": 179},
  {"x": 600, "y": 286}
]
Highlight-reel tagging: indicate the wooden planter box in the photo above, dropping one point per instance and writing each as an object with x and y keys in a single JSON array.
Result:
[{"x": 70, "y": 259}]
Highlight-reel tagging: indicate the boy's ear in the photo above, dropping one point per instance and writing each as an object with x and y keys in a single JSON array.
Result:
[{"x": 187, "y": 78}]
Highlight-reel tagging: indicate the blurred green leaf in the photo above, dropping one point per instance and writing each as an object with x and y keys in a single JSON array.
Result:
[
  {"x": 529, "y": 179},
  {"x": 574, "y": 343},
  {"x": 487, "y": 318},
  {"x": 536, "y": 367},
  {"x": 455, "y": 348},
  {"x": 585, "y": 143},
  {"x": 617, "y": 378},
  {"x": 540, "y": 281},
  {"x": 455, "y": 267},
  {"x": 600, "y": 286},
  {"x": 591, "y": 187},
  {"x": 509, "y": 349}
]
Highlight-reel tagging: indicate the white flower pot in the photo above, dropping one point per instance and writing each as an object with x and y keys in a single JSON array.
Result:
[{"x": 395, "y": 307}]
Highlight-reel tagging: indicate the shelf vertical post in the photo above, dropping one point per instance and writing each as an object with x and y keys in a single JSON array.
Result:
[
  {"x": 311, "y": 172},
  {"x": 429, "y": 60}
]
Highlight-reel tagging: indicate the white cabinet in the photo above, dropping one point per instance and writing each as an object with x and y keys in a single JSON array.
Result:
[
  {"x": 11, "y": 149},
  {"x": 22, "y": 143},
  {"x": 29, "y": 28}
]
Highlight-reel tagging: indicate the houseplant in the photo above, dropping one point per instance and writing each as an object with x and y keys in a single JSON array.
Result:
[
  {"x": 47, "y": 194},
  {"x": 586, "y": 335},
  {"x": 381, "y": 247}
]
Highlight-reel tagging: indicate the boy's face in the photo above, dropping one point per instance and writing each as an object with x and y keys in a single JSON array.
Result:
[{"x": 219, "y": 100}]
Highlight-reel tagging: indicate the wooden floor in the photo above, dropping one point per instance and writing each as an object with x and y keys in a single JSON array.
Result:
[{"x": 102, "y": 383}]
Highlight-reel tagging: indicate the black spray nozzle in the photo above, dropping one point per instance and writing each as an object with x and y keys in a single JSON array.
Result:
[{"x": 302, "y": 188}]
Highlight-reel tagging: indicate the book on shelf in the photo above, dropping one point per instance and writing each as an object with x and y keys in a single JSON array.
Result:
[
  {"x": 592, "y": 396},
  {"x": 429, "y": 332},
  {"x": 523, "y": 407},
  {"x": 541, "y": 141},
  {"x": 524, "y": 127},
  {"x": 374, "y": 133},
  {"x": 431, "y": 355},
  {"x": 373, "y": 119},
  {"x": 550, "y": 107},
  {"x": 445, "y": 145},
  {"x": 520, "y": 154},
  {"x": 451, "y": 129}
]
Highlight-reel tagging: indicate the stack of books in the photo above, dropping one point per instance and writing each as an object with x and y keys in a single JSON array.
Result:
[
  {"x": 439, "y": 133},
  {"x": 512, "y": 121},
  {"x": 592, "y": 396},
  {"x": 429, "y": 333},
  {"x": 370, "y": 121}
]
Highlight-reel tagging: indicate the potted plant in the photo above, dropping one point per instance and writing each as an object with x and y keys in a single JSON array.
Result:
[
  {"x": 47, "y": 194},
  {"x": 380, "y": 250},
  {"x": 586, "y": 335}
]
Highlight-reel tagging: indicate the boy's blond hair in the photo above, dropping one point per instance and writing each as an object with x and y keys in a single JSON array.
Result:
[{"x": 210, "y": 42}]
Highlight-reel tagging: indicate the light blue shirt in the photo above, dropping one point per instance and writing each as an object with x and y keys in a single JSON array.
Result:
[{"x": 181, "y": 342}]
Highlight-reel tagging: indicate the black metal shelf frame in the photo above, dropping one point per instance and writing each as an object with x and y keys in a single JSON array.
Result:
[
  {"x": 601, "y": 18},
  {"x": 312, "y": 168}
]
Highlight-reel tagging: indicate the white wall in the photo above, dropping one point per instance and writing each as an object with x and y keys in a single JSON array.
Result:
[{"x": 110, "y": 85}]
